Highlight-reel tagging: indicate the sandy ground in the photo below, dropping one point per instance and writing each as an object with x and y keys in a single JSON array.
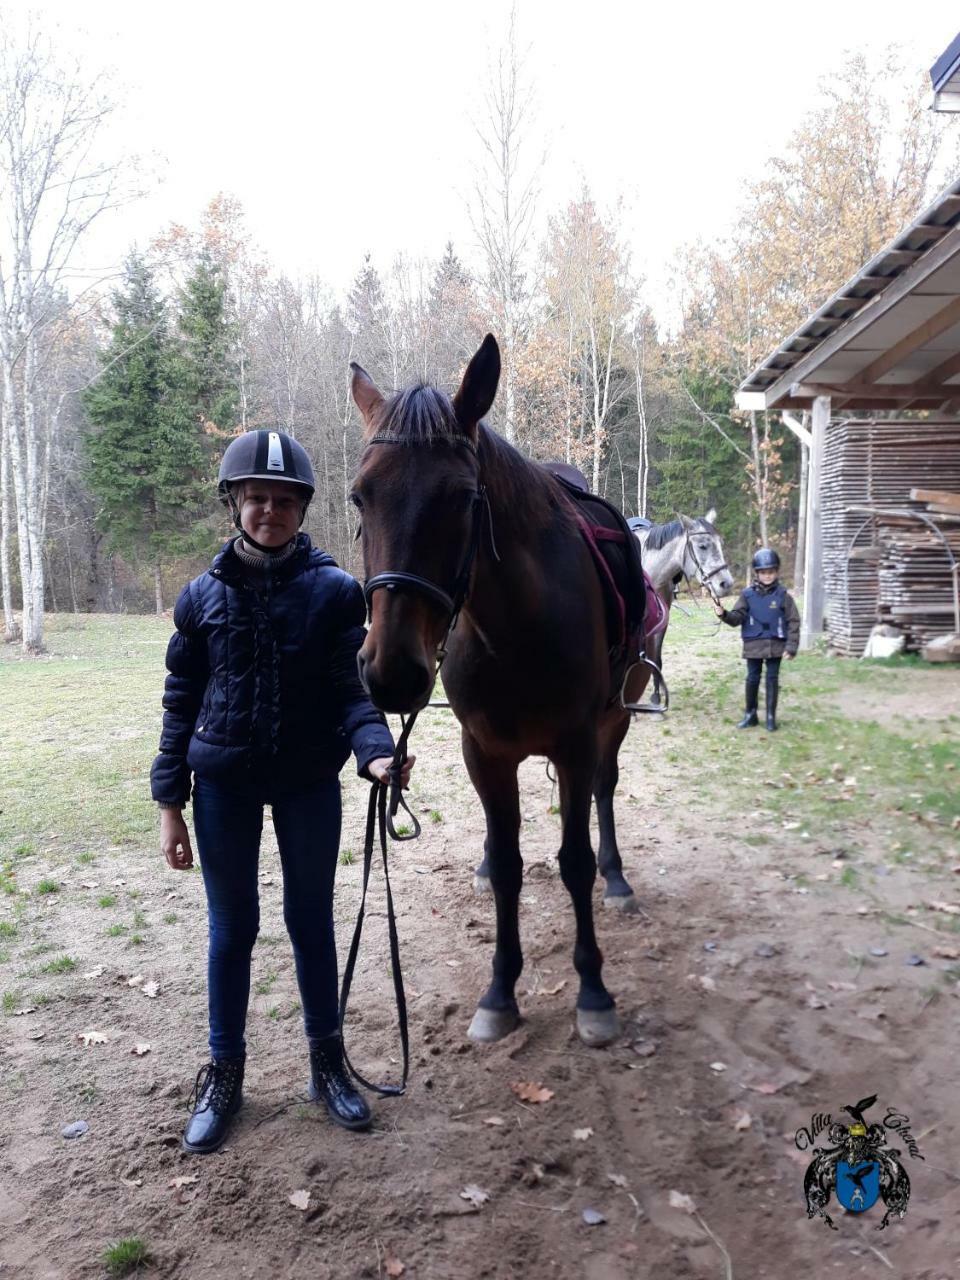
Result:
[{"x": 749, "y": 1000}]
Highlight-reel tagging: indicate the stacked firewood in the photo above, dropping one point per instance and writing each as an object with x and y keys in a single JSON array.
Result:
[{"x": 918, "y": 590}]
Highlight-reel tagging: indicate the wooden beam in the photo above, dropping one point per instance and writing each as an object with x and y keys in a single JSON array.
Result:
[
  {"x": 798, "y": 429},
  {"x": 812, "y": 623},
  {"x": 921, "y": 265},
  {"x": 889, "y": 392},
  {"x": 942, "y": 373},
  {"x": 944, "y": 319}
]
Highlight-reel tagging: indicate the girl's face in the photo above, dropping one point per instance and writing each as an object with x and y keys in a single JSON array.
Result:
[
  {"x": 766, "y": 576},
  {"x": 270, "y": 511}
]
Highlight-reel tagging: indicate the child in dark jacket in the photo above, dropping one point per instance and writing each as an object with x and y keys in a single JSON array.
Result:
[
  {"x": 769, "y": 623},
  {"x": 262, "y": 705}
]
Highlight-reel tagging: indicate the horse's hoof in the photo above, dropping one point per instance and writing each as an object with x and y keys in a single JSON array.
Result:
[
  {"x": 597, "y": 1027},
  {"x": 489, "y": 1025},
  {"x": 481, "y": 884},
  {"x": 625, "y": 902}
]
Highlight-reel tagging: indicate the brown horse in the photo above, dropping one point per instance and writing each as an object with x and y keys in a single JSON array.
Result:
[{"x": 458, "y": 527}]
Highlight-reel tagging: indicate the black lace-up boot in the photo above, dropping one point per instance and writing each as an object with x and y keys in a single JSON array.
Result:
[
  {"x": 773, "y": 691},
  {"x": 750, "y": 707},
  {"x": 215, "y": 1100},
  {"x": 330, "y": 1085}
]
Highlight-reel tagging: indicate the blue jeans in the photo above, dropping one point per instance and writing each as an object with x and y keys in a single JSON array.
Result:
[{"x": 228, "y": 823}]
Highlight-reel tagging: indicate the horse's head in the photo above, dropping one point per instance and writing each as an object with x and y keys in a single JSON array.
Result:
[
  {"x": 703, "y": 556},
  {"x": 419, "y": 496}
]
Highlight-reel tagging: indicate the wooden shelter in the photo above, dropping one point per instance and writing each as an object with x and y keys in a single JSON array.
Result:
[{"x": 889, "y": 340}]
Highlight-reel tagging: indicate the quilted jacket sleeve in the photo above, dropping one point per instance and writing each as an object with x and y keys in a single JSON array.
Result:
[
  {"x": 738, "y": 615},
  {"x": 363, "y": 724},
  {"x": 188, "y": 673},
  {"x": 793, "y": 624}
]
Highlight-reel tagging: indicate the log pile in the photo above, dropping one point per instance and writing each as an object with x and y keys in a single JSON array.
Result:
[{"x": 871, "y": 465}]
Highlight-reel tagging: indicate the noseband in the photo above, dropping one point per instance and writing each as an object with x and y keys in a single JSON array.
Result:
[
  {"x": 704, "y": 577},
  {"x": 450, "y": 602}
]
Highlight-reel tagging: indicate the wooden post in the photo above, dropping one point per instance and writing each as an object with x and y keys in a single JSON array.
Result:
[{"x": 813, "y": 603}]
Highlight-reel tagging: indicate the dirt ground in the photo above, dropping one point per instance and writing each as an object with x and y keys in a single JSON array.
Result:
[{"x": 749, "y": 998}]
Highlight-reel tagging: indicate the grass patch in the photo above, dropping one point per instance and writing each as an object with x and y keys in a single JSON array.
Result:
[
  {"x": 126, "y": 1256},
  {"x": 266, "y": 985},
  {"x": 347, "y": 858},
  {"x": 107, "y": 900},
  {"x": 116, "y": 931},
  {"x": 7, "y": 929},
  {"x": 86, "y": 858},
  {"x": 849, "y": 878},
  {"x": 170, "y": 918},
  {"x": 48, "y": 886},
  {"x": 436, "y": 817},
  {"x": 11, "y": 1000},
  {"x": 62, "y": 964}
]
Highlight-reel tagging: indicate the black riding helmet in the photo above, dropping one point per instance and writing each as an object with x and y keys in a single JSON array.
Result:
[
  {"x": 765, "y": 558},
  {"x": 264, "y": 455}
]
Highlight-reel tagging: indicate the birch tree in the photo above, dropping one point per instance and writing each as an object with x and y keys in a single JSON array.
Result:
[{"x": 52, "y": 187}]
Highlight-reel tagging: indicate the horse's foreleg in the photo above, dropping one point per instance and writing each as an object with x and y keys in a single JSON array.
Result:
[
  {"x": 481, "y": 877},
  {"x": 496, "y": 783},
  {"x": 596, "y": 1016},
  {"x": 617, "y": 892}
]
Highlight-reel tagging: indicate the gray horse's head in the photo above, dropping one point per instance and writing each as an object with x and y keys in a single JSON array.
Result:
[{"x": 703, "y": 556}]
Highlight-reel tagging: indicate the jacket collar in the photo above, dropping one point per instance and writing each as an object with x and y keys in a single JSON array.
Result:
[{"x": 228, "y": 567}]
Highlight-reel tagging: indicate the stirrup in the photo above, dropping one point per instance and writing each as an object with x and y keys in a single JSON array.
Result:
[{"x": 660, "y": 685}]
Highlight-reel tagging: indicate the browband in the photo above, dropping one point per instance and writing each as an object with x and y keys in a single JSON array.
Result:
[{"x": 454, "y": 440}]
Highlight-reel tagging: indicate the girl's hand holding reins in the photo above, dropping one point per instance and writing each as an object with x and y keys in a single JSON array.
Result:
[
  {"x": 718, "y": 608},
  {"x": 379, "y": 770},
  {"x": 175, "y": 840}
]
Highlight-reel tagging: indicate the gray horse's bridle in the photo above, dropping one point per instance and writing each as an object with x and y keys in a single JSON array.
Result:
[{"x": 704, "y": 577}]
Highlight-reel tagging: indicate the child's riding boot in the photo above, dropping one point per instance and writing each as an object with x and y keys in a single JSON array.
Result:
[
  {"x": 216, "y": 1099},
  {"x": 773, "y": 690},
  {"x": 750, "y": 712},
  {"x": 330, "y": 1085}
]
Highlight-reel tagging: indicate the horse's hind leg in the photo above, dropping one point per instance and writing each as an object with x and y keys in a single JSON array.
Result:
[
  {"x": 617, "y": 892},
  {"x": 596, "y": 1016},
  {"x": 496, "y": 783},
  {"x": 481, "y": 877}
]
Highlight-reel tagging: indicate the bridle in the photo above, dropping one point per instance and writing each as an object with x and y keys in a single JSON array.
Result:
[
  {"x": 688, "y": 548},
  {"x": 452, "y": 601}
]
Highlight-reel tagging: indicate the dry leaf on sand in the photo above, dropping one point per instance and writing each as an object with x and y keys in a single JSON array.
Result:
[
  {"x": 140, "y": 1049},
  {"x": 476, "y": 1195},
  {"x": 95, "y": 972},
  {"x": 92, "y": 1037},
  {"x": 581, "y": 1135},
  {"x": 494, "y": 1121},
  {"x": 151, "y": 989},
  {"x": 679, "y": 1201},
  {"x": 182, "y": 1180},
  {"x": 528, "y": 1091},
  {"x": 393, "y": 1267},
  {"x": 300, "y": 1199}
]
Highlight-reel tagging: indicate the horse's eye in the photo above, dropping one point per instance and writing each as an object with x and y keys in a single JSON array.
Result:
[{"x": 355, "y": 499}]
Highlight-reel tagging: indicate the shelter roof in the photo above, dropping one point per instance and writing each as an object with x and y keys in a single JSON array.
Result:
[
  {"x": 945, "y": 76},
  {"x": 889, "y": 338}
]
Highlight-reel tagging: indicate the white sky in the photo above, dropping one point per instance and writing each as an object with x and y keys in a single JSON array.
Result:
[{"x": 345, "y": 128}]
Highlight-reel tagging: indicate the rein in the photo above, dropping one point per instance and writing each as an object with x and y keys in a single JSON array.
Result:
[{"x": 380, "y": 821}]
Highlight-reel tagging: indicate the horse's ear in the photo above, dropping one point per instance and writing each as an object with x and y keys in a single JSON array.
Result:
[
  {"x": 711, "y": 516},
  {"x": 688, "y": 524},
  {"x": 366, "y": 396},
  {"x": 479, "y": 385}
]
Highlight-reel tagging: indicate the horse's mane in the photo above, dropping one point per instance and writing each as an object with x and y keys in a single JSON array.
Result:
[
  {"x": 660, "y": 534},
  {"x": 422, "y": 414}
]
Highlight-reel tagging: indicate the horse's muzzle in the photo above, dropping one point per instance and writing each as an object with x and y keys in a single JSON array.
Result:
[{"x": 402, "y": 688}]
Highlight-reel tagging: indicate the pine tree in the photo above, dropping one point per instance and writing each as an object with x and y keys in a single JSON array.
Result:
[{"x": 144, "y": 462}]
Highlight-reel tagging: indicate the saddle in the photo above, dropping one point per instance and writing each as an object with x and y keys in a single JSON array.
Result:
[{"x": 616, "y": 553}]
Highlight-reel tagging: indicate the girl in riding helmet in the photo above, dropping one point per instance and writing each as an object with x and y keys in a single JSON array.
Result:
[
  {"x": 769, "y": 623},
  {"x": 262, "y": 705}
]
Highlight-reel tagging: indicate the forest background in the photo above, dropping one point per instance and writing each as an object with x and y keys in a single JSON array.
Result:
[{"x": 120, "y": 393}]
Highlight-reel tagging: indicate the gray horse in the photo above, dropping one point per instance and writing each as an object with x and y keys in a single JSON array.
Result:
[{"x": 682, "y": 548}]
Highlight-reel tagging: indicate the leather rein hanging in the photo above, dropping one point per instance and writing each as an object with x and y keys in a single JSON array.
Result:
[{"x": 380, "y": 815}]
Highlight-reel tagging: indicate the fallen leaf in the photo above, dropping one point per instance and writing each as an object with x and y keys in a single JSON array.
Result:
[
  {"x": 707, "y": 983},
  {"x": 743, "y": 1121},
  {"x": 182, "y": 1180},
  {"x": 300, "y": 1199},
  {"x": 75, "y": 1130},
  {"x": 88, "y": 884},
  {"x": 948, "y": 908},
  {"x": 527, "y": 1091},
  {"x": 119, "y": 883},
  {"x": 96, "y": 972},
  {"x": 766, "y": 1086},
  {"x": 495, "y": 1121},
  {"x": 581, "y": 1135},
  {"x": 593, "y": 1217},
  {"x": 842, "y": 986},
  {"x": 135, "y": 980},
  {"x": 140, "y": 1049},
  {"x": 718, "y": 1066},
  {"x": 393, "y": 1267},
  {"x": 946, "y": 953},
  {"x": 132, "y": 1182},
  {"x": 617, "y": 1179},
  {"x": 36, "y": 1035},
  {"x": 551, "y": 991},
  {"x": 92, "y": 1037},
  {"x": 679, "y": 1201},
  {"x": 476, "y": 1195},
  {"x": 816, "y": 1002},
  {"x": 871, "y": 1011},
  {"x": 22, "y": 1013},
  {"x": 151, "y": 989}
]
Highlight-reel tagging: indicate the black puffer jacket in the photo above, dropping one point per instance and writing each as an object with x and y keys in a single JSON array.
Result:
[{"x": 266, "y": 679}]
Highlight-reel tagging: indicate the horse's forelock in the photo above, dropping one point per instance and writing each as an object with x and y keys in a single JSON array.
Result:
[{"x": 417, "y": 414}]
